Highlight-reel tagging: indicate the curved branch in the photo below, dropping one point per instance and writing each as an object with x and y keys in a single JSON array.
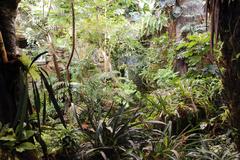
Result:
[{"x": 73, "y": 41}]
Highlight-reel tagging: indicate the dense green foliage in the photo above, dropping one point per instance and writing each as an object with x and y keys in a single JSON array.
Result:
[{"x": 129, "y": 101}]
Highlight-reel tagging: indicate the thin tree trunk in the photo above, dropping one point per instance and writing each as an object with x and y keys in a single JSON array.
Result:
[{"x": 229, "y": 30}]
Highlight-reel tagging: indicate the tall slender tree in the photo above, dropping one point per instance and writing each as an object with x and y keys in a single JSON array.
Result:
[{"x": 225, "y": 24}]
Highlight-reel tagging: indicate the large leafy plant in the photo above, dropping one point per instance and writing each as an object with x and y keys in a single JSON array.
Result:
[
  {"x": 195, "y": 50},
  {"x": 15, "y": 142}
]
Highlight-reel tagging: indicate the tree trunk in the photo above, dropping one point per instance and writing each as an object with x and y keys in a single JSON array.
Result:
[
  {"x": 229, "y": 30},
  {"x": 9, "y": 72}
]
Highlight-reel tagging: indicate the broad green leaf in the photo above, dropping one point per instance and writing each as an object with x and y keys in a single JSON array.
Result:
[
  {"x": 8, "y": 138},
  {"x": 25, "y": 146}
]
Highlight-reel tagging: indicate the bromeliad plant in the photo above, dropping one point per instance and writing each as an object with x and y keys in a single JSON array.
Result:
[
  {"x": 166, "y": 145},
  {"x": 115, "y": 136},
  {"x": 218, "y": 148}
]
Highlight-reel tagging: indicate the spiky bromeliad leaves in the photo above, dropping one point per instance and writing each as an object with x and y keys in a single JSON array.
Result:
[{"x": 114, "y": 136}]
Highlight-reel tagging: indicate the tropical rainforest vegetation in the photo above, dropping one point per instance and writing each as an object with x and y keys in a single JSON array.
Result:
[{"x": 119, "y": 80}]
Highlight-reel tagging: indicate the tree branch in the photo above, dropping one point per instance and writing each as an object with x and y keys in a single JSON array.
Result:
[
  {"x": 73, "y": 41},
  {"x": 3, "y": 50}
]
